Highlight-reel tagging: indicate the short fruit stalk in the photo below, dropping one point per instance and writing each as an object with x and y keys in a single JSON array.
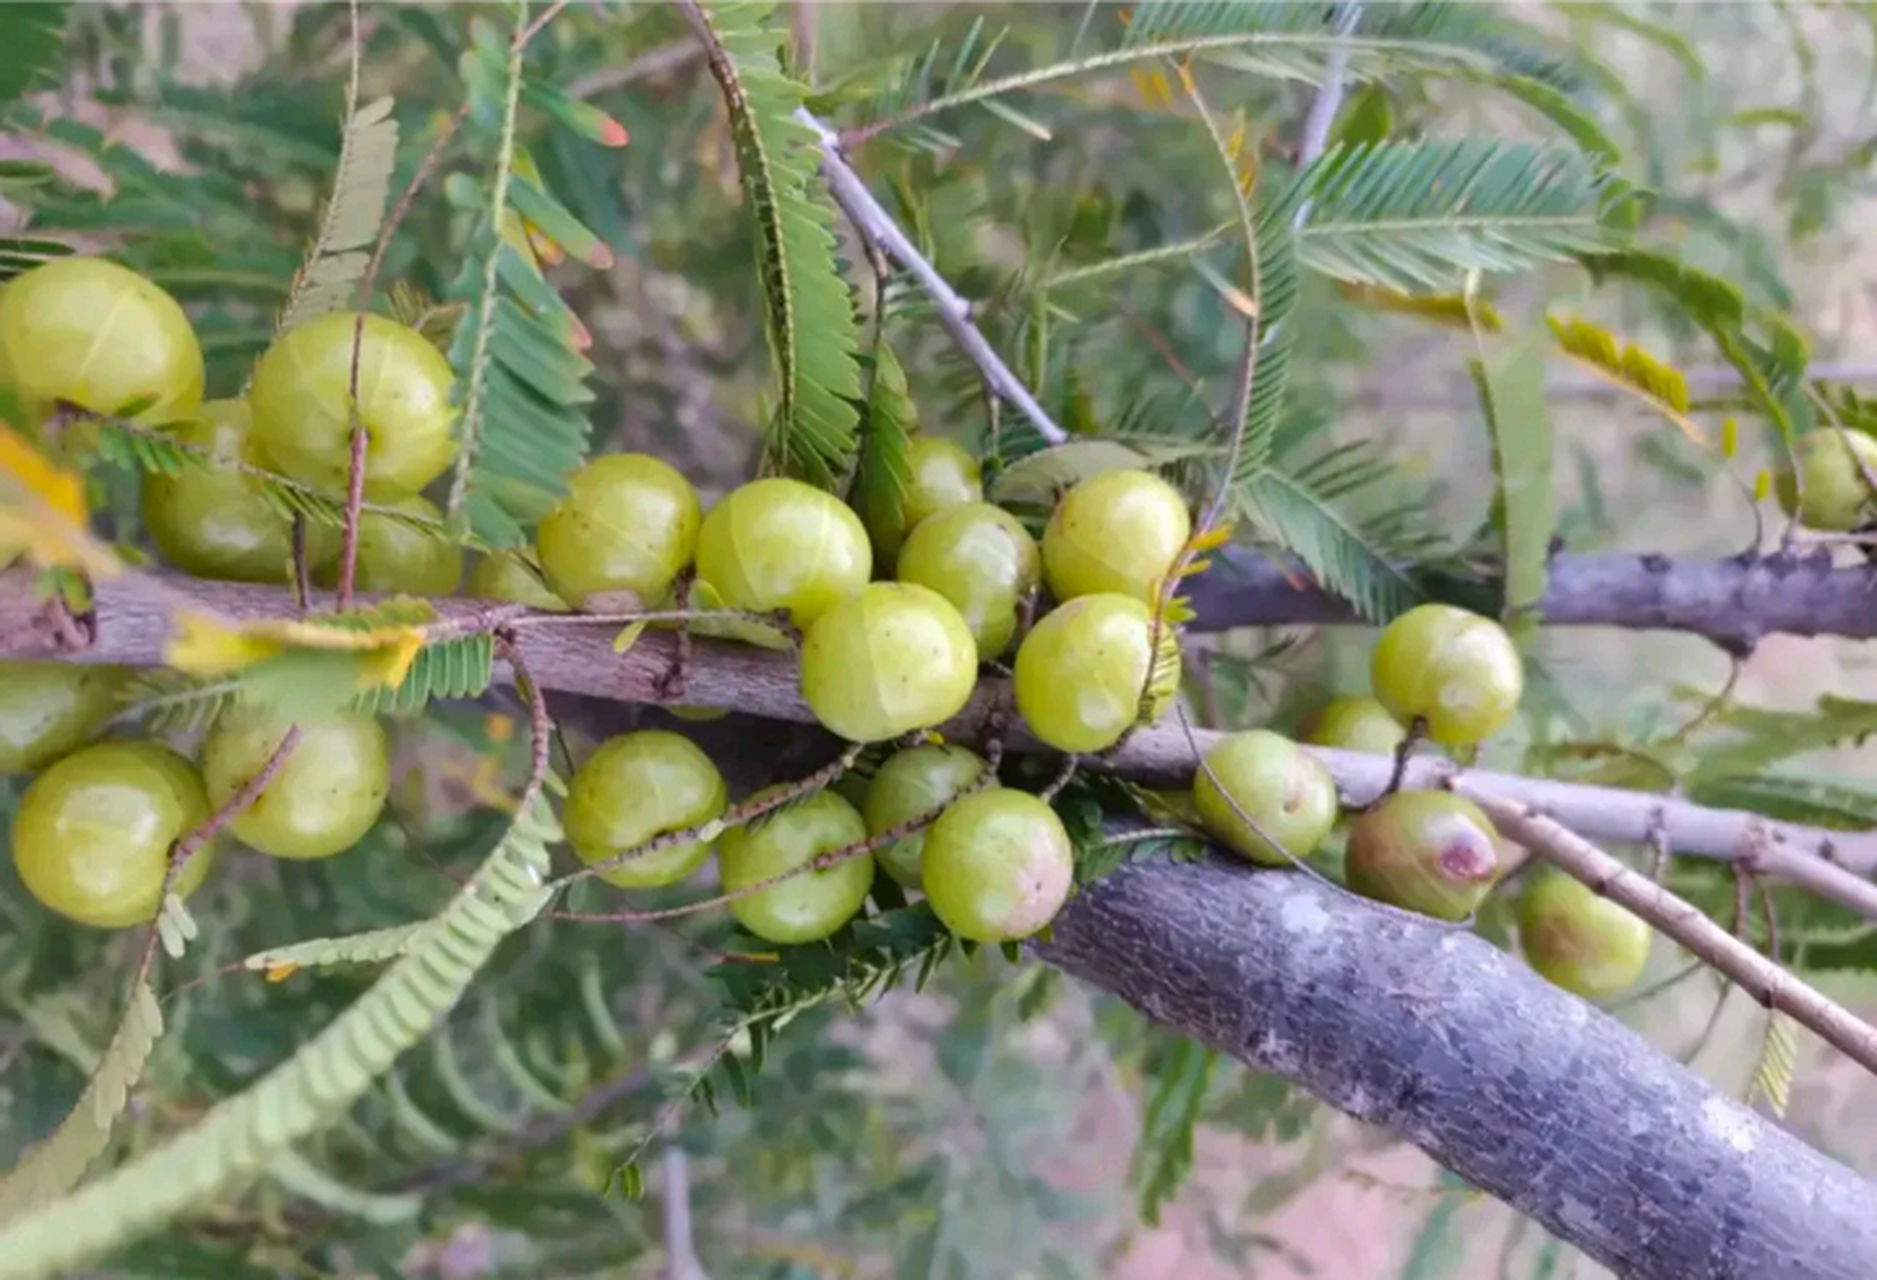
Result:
[{"x": 1428, "y": 851}]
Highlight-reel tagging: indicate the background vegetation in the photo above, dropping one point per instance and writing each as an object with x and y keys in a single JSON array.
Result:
[{"x": 979, "y": 1127}]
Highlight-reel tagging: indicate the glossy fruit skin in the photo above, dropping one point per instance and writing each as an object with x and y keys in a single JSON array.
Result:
[
  {"x": 1428, "y": 851},
  {"x": 324, "y": 797},
  {"x": 1080, "y": 671},
  {"x": 50, "y": 709},
  {"x": 1456, "y": 669},
  {"x": 777, "y": 543},
  {"x": 636, "y": 786},
  {"x": 940, "y": 475},
  {"x": 628, "y": 523},
  {"x": 97, "y": 335},
  {"x": 892, "y": 658},
  {"x": 1355, "y": 724},
  {"x": 998, "y": 866},
  {"x": 302, "y": 418},
  {"x": 1836, "y": 497},
  {"x": 214, "y": 523},
  {"x": 912, "y": 782},
  {"x": 810, "y": 906},
  {"x": 982, "y": 560},
  {"x": 1118, "y": 531},
  {"x": 92, "y": 835},
  {"x": 1281, "y": 787},
  {"x": 394, "y": 558},
  {"x": 1578, "y": 939},
  {"x": 506, "y": 576}
]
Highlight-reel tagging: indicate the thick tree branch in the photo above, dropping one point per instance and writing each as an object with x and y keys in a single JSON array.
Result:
[
  {"x": 132, "y": 627},
  {"x": 1440, "y": 1038},
  {"x": 1733, "y": 602}
]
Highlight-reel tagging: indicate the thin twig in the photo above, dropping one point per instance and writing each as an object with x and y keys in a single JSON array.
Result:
[
  {"x": 680, "y": 1249},
  {"x": 877, "y": 227},
  {"x": 1771, "y": 985},
  {"x": 1329, "y": 99}
]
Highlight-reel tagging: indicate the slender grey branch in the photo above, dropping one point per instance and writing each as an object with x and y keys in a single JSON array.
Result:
[
  {"x": 571, "y": 656},
  {"x": 1442, "y": 1039},
  {"x": 876, "y": 225},
  {"x": 1329, "y": 99},
  {"x": 1733, "y": 602}
]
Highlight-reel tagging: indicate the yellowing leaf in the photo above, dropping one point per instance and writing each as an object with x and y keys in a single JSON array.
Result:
[
  {"x": 1762, "y": 484},
  {"x": 1153, "y": 87},
  {"x": 43, "y": 514},
  {"x": 1730, "y": 437},
  {"x": 208, "y": 645},
  {"x": 628, "y": 636}
]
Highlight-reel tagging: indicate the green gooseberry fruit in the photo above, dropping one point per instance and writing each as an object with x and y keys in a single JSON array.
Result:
[
  {"x": 214, "y": 522},
  {"x": 91, "y": 333},
  {"x": 982, "y": 560},
  {"x": 1428, "y": 851},
  {"x": 1825, "y": 488},
  {"x": 396, "y": 559},
  {"x": 1355, "y": 723},
  {"x": 628, "y": 523},
  {"x": 1116, "y": 532},
  {"x": 92, "y": 834},
  {"x": 636, "y": 786},
  {"x": 939, "y": 475},
  {"x": 892, "y": 658},
  {"x": 777, "y": 543},
  {"x": 1457, "y": 671},
  {"x": 1279, "y": 786},
  {"x": 912, "y": 782},
  {"x": 303, "y": 414},
  {"x": 1081, "y": 670},
  {"x": 324, "y": 797},
  {"x": 508, "y": 576},
  {"x": 998, "y": 866},
  {"x": 50, "y": 709},
  {"x": 1578, "y": 939},
  {"x": 814, "y": 904}
]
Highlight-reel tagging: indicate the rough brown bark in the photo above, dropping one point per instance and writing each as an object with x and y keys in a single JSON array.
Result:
[{"x": 1438, "y": 1037}]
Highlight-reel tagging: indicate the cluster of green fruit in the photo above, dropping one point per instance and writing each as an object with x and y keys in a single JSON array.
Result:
[
  {"x": 880, "y": 660},
  {"x": 1456, "y": 678},
  {"x": 87, "y": 334},
  {"x": 92, "y": 835}
]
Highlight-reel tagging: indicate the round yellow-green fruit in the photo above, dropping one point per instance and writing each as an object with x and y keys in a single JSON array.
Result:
[
  {"x": 1279, "y": 790},
  {"x": 1578, "y": 939},
  {"x": 1081, "y": 672},
  {"x": 892, "y": 658},
  {"x": 636, "y": 786},
  {"x": 301, "y": 397},
  {"x": 213, "y": 522},
  {"x": 1116, "y": 532},
  {"x": 508, "y": 576},
  {"x": 939, "y": 475},
  {"x": 1355, "y": 723},
  {"x": 396, "y": 559},
  {"x": 628, "y": 523},
  {"x": 92, "y": 835},
  {"x": 809, "y": 906},
  {"x": 777, "y": 543},
  {"x": 50, "y": 709},
  {"x": 1456, "y": 671},
  {"x": 913, "y": 782},
  {"x": 997, "y": 866},
  {"x": 1826, "y": 487},
  {"x": 982, "y": 560},
  {"x": 90, "y": 333},
  {"x": 323, "y": 798},
  {"x": 1428, "y": 851}
]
